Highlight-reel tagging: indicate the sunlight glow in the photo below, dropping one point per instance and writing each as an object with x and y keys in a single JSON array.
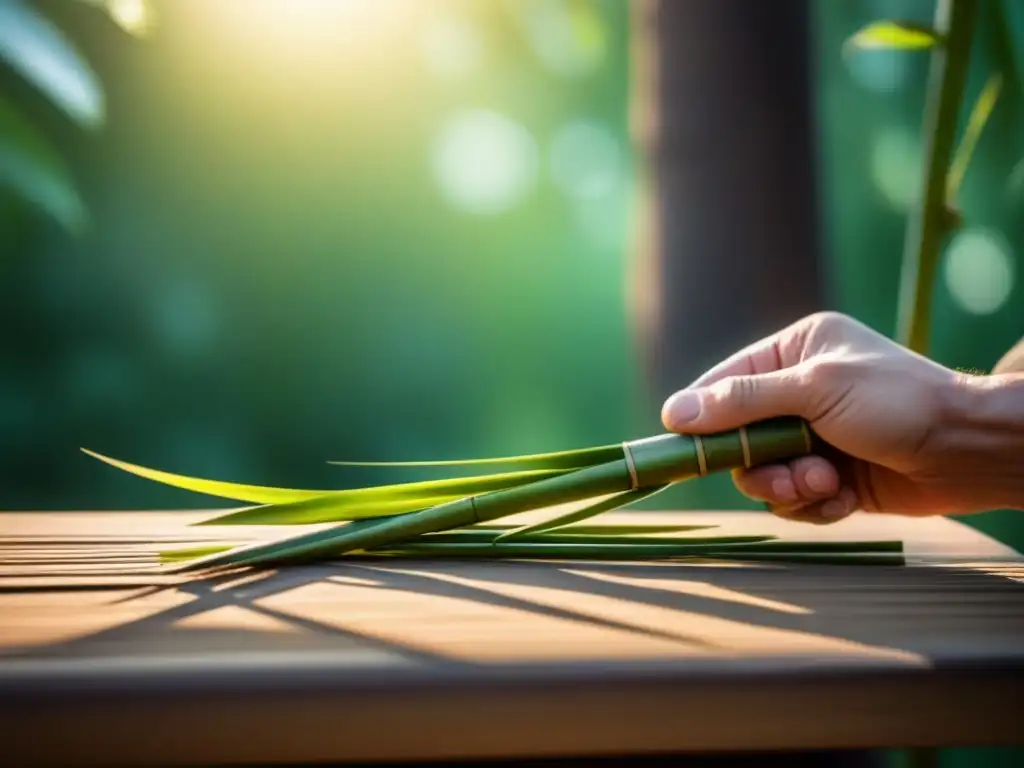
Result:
[
  {"x": 303, "y": 27},
  {"x": 133, "y": 16},
  {"x": 484, "y": 162},
  {"x": 452, "y": 48}
]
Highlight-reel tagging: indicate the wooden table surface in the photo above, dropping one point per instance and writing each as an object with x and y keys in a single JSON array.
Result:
[{"x": 104, "y": 659}]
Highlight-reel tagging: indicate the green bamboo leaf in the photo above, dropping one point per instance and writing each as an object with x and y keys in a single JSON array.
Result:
[
  {"x": 293, "y": 506},
  {"x": 379, "y": 501},
  {"x": 191, "y": 553},
  {"x": 890, "y": 34},
  {"x": 576, "y": 459},
  {"x": 615, "y": 502},
  {"x": 975, "y": 125},
  {"x": 33, "y": 170},
  {"x": 40, "y": 53},
  {"x": 253, "y": 493}
]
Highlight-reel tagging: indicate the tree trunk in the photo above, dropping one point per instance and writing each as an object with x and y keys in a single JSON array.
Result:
[{"x": 727, "y": 234}]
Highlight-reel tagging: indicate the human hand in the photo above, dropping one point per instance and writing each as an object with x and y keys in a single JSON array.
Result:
[{"x": 904, "y": 434}]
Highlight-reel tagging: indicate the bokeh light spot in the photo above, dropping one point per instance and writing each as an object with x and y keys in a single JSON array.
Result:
[
  {"x": 979, "y": 271},
  {"x": 584, "y": 160},
  {"x": 896, "y": 168},
  {"x": 133, "y": 16},
  {"x": 452, "y": 48},
  {"x": 568, "y": 36},
  {"x": 484, "y": 162}
]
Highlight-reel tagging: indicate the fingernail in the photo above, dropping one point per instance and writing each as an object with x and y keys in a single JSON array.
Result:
[
  {"x": 817, "y": 480},
  {"x": 834, "y": 508},
  {"x": 682, "y": 408},
  {"x": 783, "y": 489}
]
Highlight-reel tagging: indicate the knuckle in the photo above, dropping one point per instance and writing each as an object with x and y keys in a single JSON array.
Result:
[
  {"x": 827, "y": 372},
  {"x": 829, "y": 318}
]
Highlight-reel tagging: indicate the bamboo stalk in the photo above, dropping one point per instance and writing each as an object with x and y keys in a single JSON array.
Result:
[
  {"x": 933, "y": 220},
  {"x": 659, "y": 460}
]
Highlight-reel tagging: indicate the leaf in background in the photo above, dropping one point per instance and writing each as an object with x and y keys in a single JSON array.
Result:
[
  {"x": 43, "y": 55},
  {"x": 577, "y": 459},
  {"x": 975, "y": 125},
  {"x": 902, "y": 35},
  {"x": 33, "y": 170},
  {"x": 1015, "y": 181}
]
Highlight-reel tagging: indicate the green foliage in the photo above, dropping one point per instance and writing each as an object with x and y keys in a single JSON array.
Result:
[
  {"x": 33, "y": 170},
  {"x": 983, "y": 106},
  {"x": 293, "y": 506},
  {"x": 558, "y": 460},
  {"x": 40, "y": 53},
  {"x": 890, "y": 34}
]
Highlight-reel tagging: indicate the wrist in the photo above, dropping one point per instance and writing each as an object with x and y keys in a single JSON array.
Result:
[{"x": 983, "y": 429}]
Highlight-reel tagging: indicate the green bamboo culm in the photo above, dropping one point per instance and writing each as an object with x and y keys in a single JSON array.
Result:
[
  {"x": 935, "y": 218},
  {"x": 649, "y": 463},
  {"x": 454, "y": 518}
]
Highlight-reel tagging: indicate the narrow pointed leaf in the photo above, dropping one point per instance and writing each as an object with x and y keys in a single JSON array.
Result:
[
  {"x": 975, "y": 125},
  {"x": 191, "y": 553},
  {"x": 323, "y": 509},
  {"x": 325, "y": 505},
  {"x": 42, "y": 54},
  {"x": 606, "y": 505},
  {"x": 336, "y": 506},
  {"x": 891, "y": 34},
  {"x": 253, "y": 493},
  {"x": 577, "y": 459}
]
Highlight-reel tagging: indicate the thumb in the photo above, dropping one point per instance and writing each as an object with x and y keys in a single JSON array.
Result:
[{"x": 734, "y": 401}]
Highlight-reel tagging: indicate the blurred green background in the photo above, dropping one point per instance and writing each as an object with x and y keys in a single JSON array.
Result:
[
  {"x": 259, "y": 235},
  {"x": 241, "y": 238}
]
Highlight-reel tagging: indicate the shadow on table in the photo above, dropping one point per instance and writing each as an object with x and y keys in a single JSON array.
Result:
[{"x": 461, "y": 613}]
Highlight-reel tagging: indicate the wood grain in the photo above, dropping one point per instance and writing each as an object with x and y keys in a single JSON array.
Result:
[{"x": 85, "y": 612}]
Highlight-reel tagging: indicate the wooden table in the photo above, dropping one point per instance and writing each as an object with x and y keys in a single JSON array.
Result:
[{"x": 103, "y": 660}]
